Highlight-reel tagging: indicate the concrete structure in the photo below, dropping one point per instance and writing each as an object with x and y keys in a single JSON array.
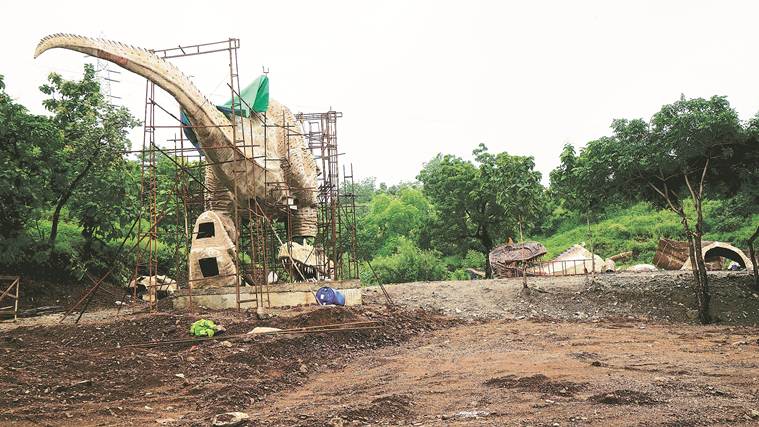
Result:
[
  {"x": 281, "y": 295},
  {"x": 212, "y": 254},
  {"x": 724, "y": 250}
]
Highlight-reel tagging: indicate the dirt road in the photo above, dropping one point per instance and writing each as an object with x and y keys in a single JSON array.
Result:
[{"x": 534, "y": 373}]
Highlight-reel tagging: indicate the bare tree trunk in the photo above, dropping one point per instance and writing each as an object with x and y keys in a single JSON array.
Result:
[
  {"x": 592, "y": 252},
  {"x": 697, "y": 260},
  {"x": 524, "y": 264},
  {"x": 67, "y": 194},
  {"x": 487, "y": 243},
  {"x": 701, "y": 286},
  {"x": 703, "y": 295},
  {"x": 695, "y": 256},
  {"x": 752, "y": 255}
]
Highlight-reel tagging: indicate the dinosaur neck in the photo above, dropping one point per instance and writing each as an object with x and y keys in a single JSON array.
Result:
[{"x": 211, "y": 126}]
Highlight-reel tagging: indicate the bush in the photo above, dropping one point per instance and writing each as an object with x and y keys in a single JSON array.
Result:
[
  {"x": 407, "y": 263},
  {"x": 26, "y": 256},
  {"x": 457, "y": 266}
]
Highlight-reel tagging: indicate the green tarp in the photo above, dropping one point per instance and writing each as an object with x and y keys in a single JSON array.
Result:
[{"x": 255, "y": 95}]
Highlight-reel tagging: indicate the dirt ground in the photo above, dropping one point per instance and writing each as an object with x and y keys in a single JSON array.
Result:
[
  {"x": 664, "y": 296},
  {"x": 536, "y": 373},
  {"x": 620, "y": 351}
]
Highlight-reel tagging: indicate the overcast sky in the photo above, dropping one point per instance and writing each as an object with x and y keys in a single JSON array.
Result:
[{"x": 417, "y": 78}]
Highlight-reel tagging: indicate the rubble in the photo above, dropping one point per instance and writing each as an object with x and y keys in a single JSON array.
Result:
[{"x": 230, "y": 419}]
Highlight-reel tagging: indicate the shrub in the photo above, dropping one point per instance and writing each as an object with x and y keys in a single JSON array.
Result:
[{"x": 407, "y": 263}]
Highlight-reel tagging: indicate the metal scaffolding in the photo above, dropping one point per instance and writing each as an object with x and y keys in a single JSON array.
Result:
[
  {"x": 259, "y": 234},
  {"x": 336, "y": 220}
]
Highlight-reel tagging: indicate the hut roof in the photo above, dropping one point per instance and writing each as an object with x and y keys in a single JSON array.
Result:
[
  {"x": 517, "y": 252},
  {"x": 503, "y": 258},
  {"x": 577, "y": 252}
]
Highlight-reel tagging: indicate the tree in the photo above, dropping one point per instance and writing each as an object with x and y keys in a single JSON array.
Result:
[
  {"x": 684, "y": 151},
  {"x": 519, "y": 190},
  {"x": 562, "y": 179},
  {"x": 582, "y": 188},
  {"x": 27, "y": 145},
  {"x": 745, "y": 183},
  {"x": 94, "y": 135},
  {"x": 484, "y": 202},
  {"x": 389, "y": 216}
]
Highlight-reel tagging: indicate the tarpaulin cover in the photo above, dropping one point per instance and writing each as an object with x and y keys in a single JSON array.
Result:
[{"x": 255, "y": 95}]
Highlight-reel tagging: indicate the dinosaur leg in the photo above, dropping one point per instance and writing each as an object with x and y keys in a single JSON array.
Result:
[{"x": 213, "y": 251}]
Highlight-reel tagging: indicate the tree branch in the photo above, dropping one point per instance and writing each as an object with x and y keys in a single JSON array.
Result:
[{"x": 703, "y": 176}]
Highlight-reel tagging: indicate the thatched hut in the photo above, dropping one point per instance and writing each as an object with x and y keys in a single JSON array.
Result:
[
  {"x": 576, "y": 260},
  {"x": 670, "y": 254},
  {"x": 507, "y": 260}
]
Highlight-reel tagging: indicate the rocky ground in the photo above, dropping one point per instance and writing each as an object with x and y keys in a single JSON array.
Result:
[
  {"x": 619, "y": 351},
  {"x": 664, "y": 296}
]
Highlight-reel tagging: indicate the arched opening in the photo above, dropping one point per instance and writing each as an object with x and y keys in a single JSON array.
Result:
[
  {"x": 715, "y": 250},
  {"x": 725, "y": 250},
  {"x": 725, "y": 253}
]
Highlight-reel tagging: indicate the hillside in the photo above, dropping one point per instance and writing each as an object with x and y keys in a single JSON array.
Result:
[{"x": 639, "y": 227}]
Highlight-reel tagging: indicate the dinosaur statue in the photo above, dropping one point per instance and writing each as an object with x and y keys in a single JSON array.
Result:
[{"x": 237, "y": 165}]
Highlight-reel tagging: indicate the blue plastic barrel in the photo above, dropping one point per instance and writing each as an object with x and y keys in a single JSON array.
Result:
[{"x": 329, "y": 296}]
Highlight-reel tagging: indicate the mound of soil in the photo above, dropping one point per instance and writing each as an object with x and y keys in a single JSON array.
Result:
[
  {"x": 624, "y": 397},
  {"x": 392, "y": 407},
  {"x": 536, "y": 383},
  {"x": 664, "y": 296}
]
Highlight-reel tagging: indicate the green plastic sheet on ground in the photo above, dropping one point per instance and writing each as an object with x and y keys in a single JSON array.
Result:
[
  {"x": 255, "y": 95},
  {"x": 203, "y": 328}
]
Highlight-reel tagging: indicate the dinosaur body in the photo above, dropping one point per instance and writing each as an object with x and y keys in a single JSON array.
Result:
[{"x": 242, "y": 161}]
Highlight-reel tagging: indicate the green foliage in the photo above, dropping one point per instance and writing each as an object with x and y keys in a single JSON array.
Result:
[
  {"x": 28, "y": 144},
  {"x": 64, "y": 192},
  {"x": 406, "y": 263},
  {"x": 482, "y": 203},
  {"x": 451, "y": 184},
  {"x": 94, "y": 136},
  {"x": 665, "y": 160},
  {"x": 457, "y": 265},
  {"x": 363, "y": 190},
  {"x": 639, "y": 227},
  {"x": 731, "y": 220},
  {"x": 390, "y": 216}
]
